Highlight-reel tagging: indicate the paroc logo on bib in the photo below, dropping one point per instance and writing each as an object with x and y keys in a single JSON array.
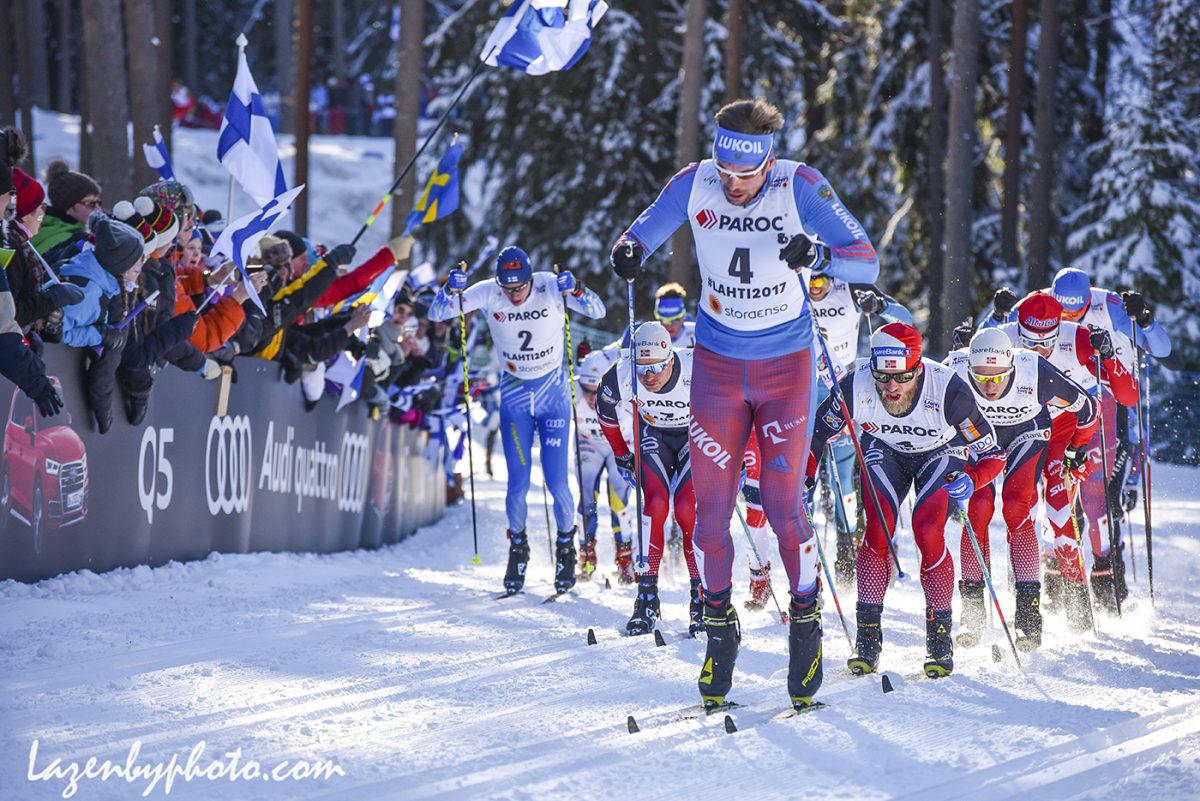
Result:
[{"x": 706, "y": 218}]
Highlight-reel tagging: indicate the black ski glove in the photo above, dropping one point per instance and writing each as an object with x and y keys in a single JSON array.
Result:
[
  {"x": 961, "y": 336},
  {"x": 801, "y": 252},
  {"x": 48, "y": 401},
  {"x": 626, "y": 258},
  {"x": 111, "y": 337},
  {"x": 1101, "y": 343},
  {"x": 342, "y": 254},
  {"x": 1002, "y": 303},
  {"x": 1073, "y": 463},
  {"x": 870, "y": 301},
  {"x": 1138, "y": 310}
]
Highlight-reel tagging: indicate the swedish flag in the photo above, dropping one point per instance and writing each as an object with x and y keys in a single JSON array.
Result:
[{"x": 440, "y": 198}]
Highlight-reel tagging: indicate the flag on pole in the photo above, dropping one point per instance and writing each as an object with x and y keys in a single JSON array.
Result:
[
  {"x": 240, "y": 238},
  {"x": 246, "y": 145},
  {"x": 158, "y": 158},
  {"x": 422, "y": 275},
  {"x": 347, "y": 373},
  {"x": 540, "y": 36},
  {"x": 440, "y": 198}
]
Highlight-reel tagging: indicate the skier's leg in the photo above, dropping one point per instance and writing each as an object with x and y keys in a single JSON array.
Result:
[
  {"x": 516, "y": 435},
  {"x": 1059, "y": 503},
  {"x": 1026, "y": 461},
  {"x": 930, "y": 513},
  {"x": 591, "y": 463},
  {"x": 980, "y": 510},
  {"x": 890, "y": 477},
  {"x": 553, "y": 409},
  {"x": 656, "y": 495},
  {"x": 1092, "y": 492}
]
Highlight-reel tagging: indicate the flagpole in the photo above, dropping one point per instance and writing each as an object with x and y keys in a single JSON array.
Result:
[
  {"x": 432, "y": 135},
  {"x": 241, "y": 42}
]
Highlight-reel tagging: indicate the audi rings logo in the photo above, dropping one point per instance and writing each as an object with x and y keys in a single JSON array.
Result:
[
  {"x": 227, "y": 465},
  {"x": 354, "y": 462}
]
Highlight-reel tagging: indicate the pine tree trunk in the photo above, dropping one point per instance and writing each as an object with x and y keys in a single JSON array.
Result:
[
  {"x": 1093, "y": 130},
  {"x": 8, "y": 98},
  {"x": 25, "y": 68},
  {"x": 285, "y": 73},
  {"x": 1010, "y": 210},
  {"x": 191, "y": 46},
  {"x": 936, "y": 221},
  {"x": 649, "y": 57},
  {"x": 408, "y": 104},
  {"x": 1044, "y": 143},
  {"x": 339, "y": 40},
  {"x": 164, "y": 53},
  {"x": 687, "y": 147},
  {"x": 143, "y": 69},
  {"x": 36, "y": 27},
  {"x": 66, "y": 73},
  {"x": 958, "y": 267},
  {"x": 108, "y": 109},
  {"x": 301, "y": 120},
  {"x": 735, "y": 39}
]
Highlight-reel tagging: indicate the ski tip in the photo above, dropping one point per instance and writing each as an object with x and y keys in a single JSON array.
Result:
[
  {"x": 591, "y": 637},
  {"x": 730, "y": 726},
  {"x": 607, "y": 583},
  {"x": 632, "y": 725},
  {"x": 504, "y": 595},
  {"x": 887, "y": 683},
  {"x": 659, "y": 641},
  {"x": 997, "y": 654}
]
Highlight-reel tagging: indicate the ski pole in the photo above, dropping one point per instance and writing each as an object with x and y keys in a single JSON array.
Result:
[
  {"x": 149, "y": 301},
  {"x": 987, "y": 577},
  {"x": 642, "y": 564},
  {"x": 574, "y": 411},
  {"x": 1087, "y": 582},
  {"x": 462, "y": 327},
  {"x": 835, "y": 390},
  {"x": 783, "y": 618},
  {"x": 1144, "y": 435},
  {"x": 1113, "y": 546},
  {"x": 833, "y": 591}
]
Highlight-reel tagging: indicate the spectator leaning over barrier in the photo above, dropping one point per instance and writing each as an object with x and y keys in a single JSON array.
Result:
[
  {"x": 73, "y": 197},
  {"x": 18, "y": 363},
  {"x": 107, "y": 274}
]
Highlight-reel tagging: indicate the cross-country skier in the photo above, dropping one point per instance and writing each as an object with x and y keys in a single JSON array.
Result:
[
  {"x": 920, "y": 426},
  {"x": 525, "y": 313},
  {"x": 752, "y": 216},
  {"x": 1015, "y": 389},
  {"x": 1072, "y": 349},
  {"x": 665, "y": 376},
  {"x": 670, "y": 309},
  {"x": 596, "y": 458}
]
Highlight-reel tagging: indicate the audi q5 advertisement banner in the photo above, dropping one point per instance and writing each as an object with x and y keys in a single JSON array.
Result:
[{"x": 266, "y": 476}]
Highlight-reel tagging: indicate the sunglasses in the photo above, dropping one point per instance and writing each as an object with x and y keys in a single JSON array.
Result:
[
  {"x": 991, "y": 379},
  {"x": 653, "y": 369},
  {"x": 94, "y": 205},
  {"x": 587, "y": 391},
  {"x": 742, "y": 175},
  {"x": 513, "y": 290},
  {"x": 900, "y": 378},
  {"x": 819, "y": 281},
  {"x": 1037, "y": 343}
]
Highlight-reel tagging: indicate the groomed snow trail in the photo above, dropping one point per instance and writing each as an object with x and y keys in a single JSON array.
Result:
[{"x": 400, "y": 666}]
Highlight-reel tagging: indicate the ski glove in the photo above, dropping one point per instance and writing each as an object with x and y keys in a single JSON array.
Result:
[
  {"x": 626, "y": 258},
  {"x": 801, "y": 252},
  {"x": 1101, "y": 343},
  {"x": 342, "y": 254},
  {"x": 961, "y": 336},
  {"x": 1129, "y": 497},
  {"x": 566, "y": 281},
  {"x": 111, "y": 336},
  {"x": 625, "y": 468},
  {"x": 48, "y": 401},
  {"x": 1138, "y": 310},
  {"x": 959, "y": 486},
  {"x": 456, "y": 281},
  {"x": 1002, "y": 303},
  {"x": 61, "y": 295},
  {"x": 1074, "y": 463},
  {"x": 870, "y": 301}
]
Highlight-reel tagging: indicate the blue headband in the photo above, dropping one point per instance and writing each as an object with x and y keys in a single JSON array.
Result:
[
  {"x": 742, "y": 149},
  {"x": 669, "y": 308}
]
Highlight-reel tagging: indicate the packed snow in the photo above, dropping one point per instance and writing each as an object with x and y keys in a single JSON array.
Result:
[{"x": 400, "y": 673}]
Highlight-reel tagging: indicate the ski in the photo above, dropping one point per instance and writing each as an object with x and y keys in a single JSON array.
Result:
[
  {"x": 659, "y": 638},
  {"x": 504, "y": 595}
]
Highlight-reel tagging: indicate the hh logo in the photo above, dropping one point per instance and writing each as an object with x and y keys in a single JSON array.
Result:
[{"x": 706, "y": 218}]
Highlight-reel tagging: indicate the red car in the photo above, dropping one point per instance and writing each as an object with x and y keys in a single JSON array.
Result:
[{"x": 44, "y": 475}]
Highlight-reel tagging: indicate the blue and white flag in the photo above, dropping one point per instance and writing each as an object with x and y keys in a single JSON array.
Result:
[
  {"x": 239, "y": 240},
  {"x": 246, "y": 146},
  {"x": 540, "y": 36},
  {"x": 347, "y": 373},
  {"x": 158, "y": 158}
]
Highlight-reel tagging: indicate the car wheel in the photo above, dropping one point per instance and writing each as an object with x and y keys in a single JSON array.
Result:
[{"x": 37, "y": 515}]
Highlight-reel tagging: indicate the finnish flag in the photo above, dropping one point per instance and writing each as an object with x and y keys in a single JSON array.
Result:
[
  {"x": 239, "y": 240},
  {"x": 158, "y": 158},
  {"x": 540, "y": 36},
  {"x": 246, "y": 146}
]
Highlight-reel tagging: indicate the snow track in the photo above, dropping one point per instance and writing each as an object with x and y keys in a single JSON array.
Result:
[{"x": 401, "y": 667}]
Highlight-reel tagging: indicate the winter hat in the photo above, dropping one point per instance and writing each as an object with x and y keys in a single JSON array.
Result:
[
  {"x": 274, "y": 251},
  {"x": 118, "y": 246},
  {"x": 67, "y": 187},
  {"x": 512, "y": 267},
  {"x": 651, "y": 341},
  {"x": 592, "y": 369},
  {"x": 295, "y": 242},
  {"x": 896, "y": 346},
  {"x": 161, "y": 219},
  {"x": 172, "y": 195},
  {"x": 133, "y": 215},
  {"x": 1037, "y": 318},
  {"x": 990, "y": 347},
  {"x": 1072, "y": 288},
  {"x": 669, "y": 308},
  {"x": 30, "y": 193}
]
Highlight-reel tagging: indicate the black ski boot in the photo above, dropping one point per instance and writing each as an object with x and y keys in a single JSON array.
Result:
[
  {"x": 645, "y": 607},
  {"x": 518, "y": 559},
  {"x": 724, "y": 635},
  {"x": 1028, "y": 619},
  {"x": 1108, "y": 582},
  {"x": 696, "y": 609},
  {"x": 972, "y": 622},
  {"x": 869, "y": 641},
  {"x": 1077, "y": 605},
  {"x": 805, "y": 672},
  {"x": 564, "y": 561},
  {"x": 939, "y": 645}
]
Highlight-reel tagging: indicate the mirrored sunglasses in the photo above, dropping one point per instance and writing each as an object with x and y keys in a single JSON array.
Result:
[
  {"x": 653, "y": 369},
  {"x": 900, "y": 378},
  {"x": 991, "y": 379}
]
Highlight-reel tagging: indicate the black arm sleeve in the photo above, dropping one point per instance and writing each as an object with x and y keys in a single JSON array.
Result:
[{"x": 1056, "y": 389}]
